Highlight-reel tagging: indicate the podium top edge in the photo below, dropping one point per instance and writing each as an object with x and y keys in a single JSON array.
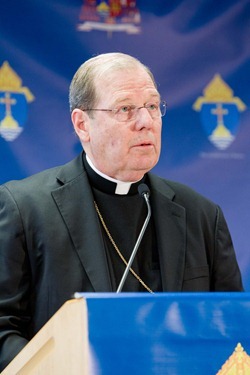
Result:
[{"x": 168, "y": 296}]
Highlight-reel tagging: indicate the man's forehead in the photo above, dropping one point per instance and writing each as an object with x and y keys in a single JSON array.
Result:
[
  {"x": 119, "y": 73},
  {"x": 126, "y": 82}
]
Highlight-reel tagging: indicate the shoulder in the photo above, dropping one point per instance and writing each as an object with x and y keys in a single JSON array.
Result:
[
  {"x": 31, "y": 185},
  {"x": 180, "y": 193},
  {"x": 44, "y": 181}
]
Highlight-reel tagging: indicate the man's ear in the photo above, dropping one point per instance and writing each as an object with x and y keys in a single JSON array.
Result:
[{"x": 80, "y": 120}]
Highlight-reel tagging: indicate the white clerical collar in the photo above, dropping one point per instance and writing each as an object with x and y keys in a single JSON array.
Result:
[{"x": 122, "y": 187}]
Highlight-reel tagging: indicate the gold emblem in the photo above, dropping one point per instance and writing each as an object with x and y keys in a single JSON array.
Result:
[
  {"x": 218, "y": 102},
  {"x": 11, "y": 94},
  {"x": 237, "y": 364},
  {"x": 217, "y": 91}
]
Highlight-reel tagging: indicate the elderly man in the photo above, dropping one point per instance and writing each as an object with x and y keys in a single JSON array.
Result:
[{"x": 72, "y": 228}]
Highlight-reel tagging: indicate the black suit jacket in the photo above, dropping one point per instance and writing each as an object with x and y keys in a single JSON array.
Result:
[{"x": 51, "y": 246}]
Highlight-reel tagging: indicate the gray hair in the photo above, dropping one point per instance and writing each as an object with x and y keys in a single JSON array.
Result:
[{"x": 82, "y": 91}]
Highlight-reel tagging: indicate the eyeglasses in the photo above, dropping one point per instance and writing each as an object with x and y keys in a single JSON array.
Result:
[{"x": 129, "y": 112}]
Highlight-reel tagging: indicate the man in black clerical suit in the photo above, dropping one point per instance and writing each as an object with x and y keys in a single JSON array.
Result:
[{"x": 72, "y": 228}]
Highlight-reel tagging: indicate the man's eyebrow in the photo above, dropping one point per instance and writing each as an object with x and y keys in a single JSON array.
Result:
[{"x": 128, "y": 99}]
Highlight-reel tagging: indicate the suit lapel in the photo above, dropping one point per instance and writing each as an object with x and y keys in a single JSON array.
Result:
[
  {"x": 170, "y": 224},
  {"x": 74, "y": 200}
]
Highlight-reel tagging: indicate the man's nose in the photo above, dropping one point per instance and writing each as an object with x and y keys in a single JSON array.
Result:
[{"x": 143, "y": 118}]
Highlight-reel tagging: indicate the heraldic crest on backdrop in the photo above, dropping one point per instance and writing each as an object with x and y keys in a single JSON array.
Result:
[
  {"x": 113, "y": 15},
  {"x": 13, "y": 103},
  {"x": 219, "y": 111}
]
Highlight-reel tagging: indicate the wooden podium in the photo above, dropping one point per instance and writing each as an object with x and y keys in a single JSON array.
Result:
[
  {"x": 141, "y": 333},
  {"x": 60, "y": 347}
]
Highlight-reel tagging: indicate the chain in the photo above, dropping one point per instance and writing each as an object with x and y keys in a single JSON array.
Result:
[{"x": 118, "y": 251}]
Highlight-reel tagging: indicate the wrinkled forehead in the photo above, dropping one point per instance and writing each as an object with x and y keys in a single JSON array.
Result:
[
  {"x": 123, "y": 82},
  {"x": 130, "y": 77},
  {"x": 107, "y": 67}
]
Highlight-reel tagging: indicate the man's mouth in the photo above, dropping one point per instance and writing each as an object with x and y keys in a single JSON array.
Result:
[{"x": 144, "y": 144}]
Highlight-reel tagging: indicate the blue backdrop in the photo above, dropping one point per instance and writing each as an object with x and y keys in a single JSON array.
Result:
[{"x": 199, "y": 52}]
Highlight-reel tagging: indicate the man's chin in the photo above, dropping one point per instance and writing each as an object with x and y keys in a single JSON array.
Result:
[{"x": 145, "y": 166}]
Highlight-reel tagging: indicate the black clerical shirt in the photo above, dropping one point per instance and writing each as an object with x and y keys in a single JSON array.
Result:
[{"x": 124, "y": 216}]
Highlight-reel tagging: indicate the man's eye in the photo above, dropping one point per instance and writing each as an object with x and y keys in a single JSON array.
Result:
[
  {"x": 152, "y": 106},
  {"x": 125, "y": 109}
]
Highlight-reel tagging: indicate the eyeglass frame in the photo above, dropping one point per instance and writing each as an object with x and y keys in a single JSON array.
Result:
[{"x": 162, "y": 107}]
